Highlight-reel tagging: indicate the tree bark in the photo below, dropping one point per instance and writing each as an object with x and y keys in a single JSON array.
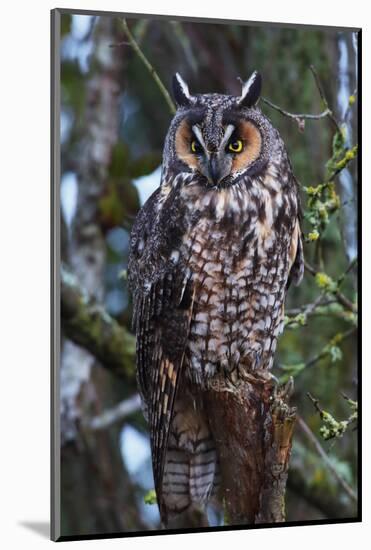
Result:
[
  {"x": 253, "y": 427},
  {"x": 87, "y": 324}
]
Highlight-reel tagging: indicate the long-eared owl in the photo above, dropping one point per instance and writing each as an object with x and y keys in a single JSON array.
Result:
[{"x": 213, "y": 251}]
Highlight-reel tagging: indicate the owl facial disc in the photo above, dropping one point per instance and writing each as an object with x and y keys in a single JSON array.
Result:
[{"x": 219, "y": 137}]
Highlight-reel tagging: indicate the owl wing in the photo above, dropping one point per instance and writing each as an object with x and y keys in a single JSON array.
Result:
[
  {"x": 296, "y": 254},
  {"x": 163, "y": 300}
]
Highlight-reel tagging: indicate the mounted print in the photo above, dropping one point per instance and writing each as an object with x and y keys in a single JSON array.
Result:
[{"x": 205, "y": 189}]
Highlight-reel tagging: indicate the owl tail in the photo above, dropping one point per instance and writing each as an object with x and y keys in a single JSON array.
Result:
[{"x": 191, "y": 476}]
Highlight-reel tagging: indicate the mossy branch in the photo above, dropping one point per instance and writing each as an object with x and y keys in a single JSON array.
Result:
[
  {"x": 88, "y": 325},
  {"x": 328, "y": 285},
  {"x": 331, "y": 427}
]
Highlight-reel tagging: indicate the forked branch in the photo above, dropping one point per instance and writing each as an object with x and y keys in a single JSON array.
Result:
[{"x": 301, "y": 117}]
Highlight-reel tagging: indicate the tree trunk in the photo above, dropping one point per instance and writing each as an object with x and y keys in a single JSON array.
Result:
[
  {"x": 253, "y": 427},
  {"x": 344, "y": 54},
  {"x": 97, "y": 495}
]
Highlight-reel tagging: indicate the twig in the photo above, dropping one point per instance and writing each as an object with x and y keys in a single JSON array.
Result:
[
  {"x": 150, "y": 68},
  {"x": 327, "y": 308},
  {"x": 315, "y": 403},
  {"x": 115, "y": 414},
  {"x": 349, "y": 155},
  {"x": 311, "y": 307},
  {"x": 298, "y": 117},
  {"x": 323, "y": 97},
  {"x": 293, "y": 370},
  {"x": 301, "y": 117},
  {"x": 333, "y": 428},
  {"x": 309, "y": 268},
  {"x": 304, "y": 312},
  {"x": 348, "y": 269},
  {"x": 343, "y": 300},
  {"x": 304, "y": 307},
  {"x": 308, "y": 432},
  {"x": 118, "y": 44},
  {"x": 340, "y": 338}
]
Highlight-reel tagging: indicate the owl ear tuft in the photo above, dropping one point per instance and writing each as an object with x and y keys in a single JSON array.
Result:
[
  {"x": 181, "y": 92},
  {"x": 251, "y": 90}
]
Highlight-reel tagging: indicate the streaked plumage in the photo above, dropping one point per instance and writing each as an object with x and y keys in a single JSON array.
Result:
[{"x": 212, "y": 254}]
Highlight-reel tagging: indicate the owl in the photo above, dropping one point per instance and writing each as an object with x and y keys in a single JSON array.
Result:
[{"x": 212, "y": 254}]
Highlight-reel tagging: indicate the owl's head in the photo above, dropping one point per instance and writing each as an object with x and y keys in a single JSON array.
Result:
[{"x": 217, "y": 137}]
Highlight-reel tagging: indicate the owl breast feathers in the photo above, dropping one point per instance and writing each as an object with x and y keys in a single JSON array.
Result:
[{"x": 213, "y": 252}]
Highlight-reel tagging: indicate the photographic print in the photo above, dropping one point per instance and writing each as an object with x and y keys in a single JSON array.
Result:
[{"x": 205, "y": 189}]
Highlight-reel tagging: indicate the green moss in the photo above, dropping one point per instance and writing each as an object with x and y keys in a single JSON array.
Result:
[
  {"x": 324, "y": 282},
  {"x": 313, "y": 235},
  {"x": 150, "y": 497},
  {"x": 351, "y": 99}
]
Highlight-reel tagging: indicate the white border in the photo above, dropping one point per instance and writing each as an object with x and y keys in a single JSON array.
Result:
[{"x": 25, "y": 268}]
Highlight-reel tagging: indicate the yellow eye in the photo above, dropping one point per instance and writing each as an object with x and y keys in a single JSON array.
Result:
[
  {"x": 235, "y": 146},
  {"x": 195, "y": 147}
]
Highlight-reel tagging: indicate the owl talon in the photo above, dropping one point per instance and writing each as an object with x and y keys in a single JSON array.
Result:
[
  {"x": 232, "y": 377},
  {"x": 287, "y": 389},
  {"x": 275, "y": 385},
  {"x": 281, "y": 392},
  {"x": 281, "y": 395}
]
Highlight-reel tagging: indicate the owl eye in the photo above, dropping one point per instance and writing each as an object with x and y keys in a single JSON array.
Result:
[
  {"x": 235, "y": 146},
  {"x": 196, "y": 147}
]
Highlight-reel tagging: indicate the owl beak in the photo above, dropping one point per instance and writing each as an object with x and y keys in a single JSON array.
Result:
[{"x": 214, "y": 169}]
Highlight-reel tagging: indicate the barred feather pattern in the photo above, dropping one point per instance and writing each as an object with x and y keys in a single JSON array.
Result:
[
  {"x": 191, "y": 473},
  {"x": 240, "y": 253}
]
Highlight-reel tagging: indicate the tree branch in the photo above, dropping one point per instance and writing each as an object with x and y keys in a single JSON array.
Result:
[
  {"x": 304, "y": 308},
  {"x": 308, "y": 310},
  {"x": 301, "y": 117},
  {"x": 150, "y": 68},
  {"x": 323, "y": 97},
  {"x": 331, "y": 427},
  {"x": 326, "y": 503},
  {"x": 331, "y": 308},
  {"x": 115, "y": 414},
  {"x": 325, "y": 350},
  {"x": 298, "y": 117},
  {"x": 343, "y": 300},
  {"x": 320, "y": 450},
  {"x": 87, "y": 324}
]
